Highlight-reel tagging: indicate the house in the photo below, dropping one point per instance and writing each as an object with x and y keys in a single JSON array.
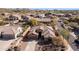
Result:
[
  {"x": 39, "y": 15},
  {"x": 42, "y": 15},
  {"x": 13, "y": 17},
  {"x": 46, "y": 31},
  {"x": 32, "y": 15},
  {"x": 44, "y": 20},
  {"x": 48, "y": 15},
  {"x": 5, "y": 14},
  {"x": 64, "y": 18},
  {"x": 6, "y": 32},
  {"x": 68, "y": 15},
  {"x": 10, "y": 32},
  {"x": 60, "y": 15},
  {"x": 24, "y": 18}
]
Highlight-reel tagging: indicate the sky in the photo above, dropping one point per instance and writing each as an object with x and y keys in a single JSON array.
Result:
[
  {"x": 55, "y": 8},
  {"x": 61, "y": 4}
]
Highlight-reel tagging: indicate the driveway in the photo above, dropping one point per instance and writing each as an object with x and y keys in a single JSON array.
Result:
[
  {"x": 73, "y": 37},
  {"x": 5, "y": 44}
]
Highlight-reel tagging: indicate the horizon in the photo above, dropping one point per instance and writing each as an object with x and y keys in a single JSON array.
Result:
[
  {"x": 54, "y": 8},
  {"x": 46, "y": 8}
]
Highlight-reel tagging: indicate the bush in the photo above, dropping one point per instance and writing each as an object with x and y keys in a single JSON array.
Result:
[
  {"x": 2, "y": 23},
  {"x": 74, "y": 19},
  {"x": 33, "y": 22},
  {"x": 25, "y": 27},
  {"x": 54, "y": 22},
  {"x": 66, "y": 22},
  {"x": 59, "y": 41},
  {"x": 65, "y": 33}
]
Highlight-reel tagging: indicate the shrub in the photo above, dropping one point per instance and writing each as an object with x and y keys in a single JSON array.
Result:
[
  {"x": 33, "y": 22},
  {"x": 2, "y": 23},
  {"x": 66, "y": 22},
  {"x": 65, "y": 33}
]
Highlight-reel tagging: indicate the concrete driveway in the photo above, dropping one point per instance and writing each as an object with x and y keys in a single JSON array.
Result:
[{"x": 5, "y": 44}]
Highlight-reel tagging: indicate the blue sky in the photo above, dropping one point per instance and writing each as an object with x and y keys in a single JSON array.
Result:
[{"x": 55, "y": 8}]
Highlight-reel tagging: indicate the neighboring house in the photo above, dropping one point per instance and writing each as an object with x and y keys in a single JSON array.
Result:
[
  {"x": 44, "y": 20},
  {"x": 32, "y": 15},
  {"x": 64, "y": 18},
  {"x": 48, "y": 15},
  {"x": 39, "y": 15},
  {"x": 60, "y": 15},
  {"x": 7, "y": 32},
  {"x": 13, "y": 17},
  {"x": 10, "y": 32},
  {"x": 42, "y": 15},
  {"x": 5, "y": 14},
  {"x": 24, "y": 18},
  {"x": 68, "y": 15}
]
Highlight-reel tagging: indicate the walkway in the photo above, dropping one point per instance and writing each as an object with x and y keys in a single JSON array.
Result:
[{"x": 31, "y": 46}]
